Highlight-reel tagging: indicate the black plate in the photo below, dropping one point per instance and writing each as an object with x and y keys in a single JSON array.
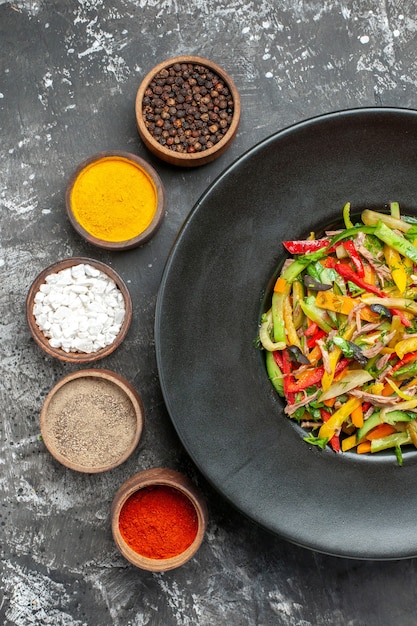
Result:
[{"x": 213, "y": 379}]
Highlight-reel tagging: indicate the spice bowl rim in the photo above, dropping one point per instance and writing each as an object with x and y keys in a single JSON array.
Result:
[
  {"x": 179, "y": 158},
  {"x": 155, "y": 477},
  {"x": 140, "y": 238},
  {"x": 41, "y": 339},
  {"x": 104, "y": 374}
]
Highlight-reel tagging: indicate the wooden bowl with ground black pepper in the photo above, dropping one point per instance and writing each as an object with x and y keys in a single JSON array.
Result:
[
  {"x": 187, "y": 111},
  {"x": 92, "y": 420},
  {"x": 159, "y": 519}
]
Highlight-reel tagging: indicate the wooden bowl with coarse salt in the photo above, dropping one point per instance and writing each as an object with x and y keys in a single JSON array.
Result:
[{"x": 78, "y": 310}]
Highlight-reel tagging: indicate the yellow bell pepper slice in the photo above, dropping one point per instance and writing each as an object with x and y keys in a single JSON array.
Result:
[
  {"x": 349, "y": 443},
  {"x": 327, "y": 378},
  {"x": 334, "y": 356},
  {"x": 329, "y": 428},
  {"x": 278, "y": 299},
  {"x": 369, "y": 274},
  {"x": 343, "y": 304},
  {"x": 377, "y": 388},
  {"x": 398, "y": 271},
  {"x": 398, "y": 329},
  {"x": 292, "y": 337},
  {"x": 405, "y": 346},
  {"x": 401, "y": 394}
]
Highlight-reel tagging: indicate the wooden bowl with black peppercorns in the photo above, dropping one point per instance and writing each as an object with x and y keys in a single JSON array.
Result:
[{"x": 187, "y": 111}]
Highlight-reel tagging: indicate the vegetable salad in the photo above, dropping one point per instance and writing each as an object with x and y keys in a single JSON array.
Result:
[{"x": 340, "y": 337}]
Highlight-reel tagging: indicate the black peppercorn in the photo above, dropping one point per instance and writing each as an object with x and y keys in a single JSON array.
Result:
[{"x": 187, "y": 108}]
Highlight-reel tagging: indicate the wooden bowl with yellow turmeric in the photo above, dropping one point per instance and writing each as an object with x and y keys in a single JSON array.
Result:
[{"x": 115, "y": 200}]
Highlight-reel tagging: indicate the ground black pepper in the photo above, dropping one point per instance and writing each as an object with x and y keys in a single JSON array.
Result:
[
  {"x": 187, "y": 108},
  {"x": 91, "y": 422}
]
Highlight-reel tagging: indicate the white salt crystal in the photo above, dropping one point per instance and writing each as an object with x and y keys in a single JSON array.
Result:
[
  {"x": 78, "y": 271},
  {"x": 39, "y": 296},
  {"x": 80, "y": 309},
  {"x": 83, "y": 345},
  {"x": 76, "y": 288},
  {"x": 91, "y": 271}
]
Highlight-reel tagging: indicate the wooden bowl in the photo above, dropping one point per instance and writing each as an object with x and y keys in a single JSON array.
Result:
[
  {"x": 40, "y": 337},
  {"x": 92, "y": 420},
  {"x": 81, "y": 195},
  {"x": 151, "y": 478},
  {"x": 186, "y": 159}
]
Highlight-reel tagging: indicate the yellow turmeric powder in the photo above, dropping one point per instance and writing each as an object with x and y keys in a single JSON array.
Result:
[{"x": 114, "y": 199}]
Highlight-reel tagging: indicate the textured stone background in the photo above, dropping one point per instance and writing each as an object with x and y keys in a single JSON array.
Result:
[{"x": 69, "y": 72}]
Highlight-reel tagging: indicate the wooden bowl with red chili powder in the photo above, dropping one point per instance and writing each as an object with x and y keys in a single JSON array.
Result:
[{"x": 159, "y": 519}]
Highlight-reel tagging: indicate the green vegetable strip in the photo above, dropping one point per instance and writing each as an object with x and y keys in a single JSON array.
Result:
[
  {"x": 397, "y": 416},
  {"x": 346, "y": 216},
  {"x": 351, "y": 232},
  {"x": 274, "y": 373},
  {"x": 300, "y": 264},
  {"x": 399, "y": 243},
  {"x": 391, "y": 441},
  {"x": 373, "y": 217},
  {"x": 277, "y": 306},
  {"x": 316, "y": 315},
  {"x": 369, "y": 424},
  {"x": 289, "y": 275},
  {"x": 395, "y": 210}
]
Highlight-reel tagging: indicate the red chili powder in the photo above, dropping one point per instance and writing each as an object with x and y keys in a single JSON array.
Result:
[{"x": 158, "y": 522}]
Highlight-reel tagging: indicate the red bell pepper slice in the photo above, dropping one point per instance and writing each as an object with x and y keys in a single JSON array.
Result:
[
  {"x": 314, "y": 377},
  {"x": 330, "y": 262},
  {"x": 305, "y": 246},
  {"x": 406, "y": 359},
  {"x": 311, "y": 330},
  {"x": 282, "y": 359},
  {"x": 349, "y": 274},
  {"x": 349, "y": 246},
  {"x": 335, "y": 440},
  {"x": 314, "y": 339},
  {"x": 286, "y": 370},
  {"x": 278, "y": 359},
  {"x": 404, "y": 320}
]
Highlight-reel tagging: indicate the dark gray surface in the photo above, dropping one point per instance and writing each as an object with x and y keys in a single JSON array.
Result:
[{"x": 69, "y": 72}]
